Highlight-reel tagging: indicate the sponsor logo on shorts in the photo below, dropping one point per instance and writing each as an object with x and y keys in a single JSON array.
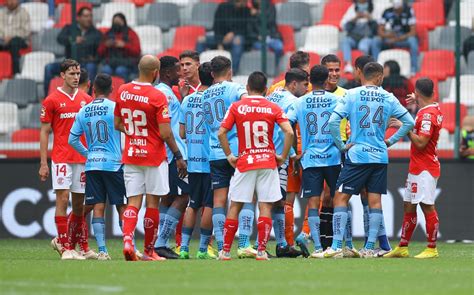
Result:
[
  {"x": 60, "y": 180},
  {"x": 349, "y": 188},
  {"x": 83, "y": 177},
  {"x": 414, "y": 187}
]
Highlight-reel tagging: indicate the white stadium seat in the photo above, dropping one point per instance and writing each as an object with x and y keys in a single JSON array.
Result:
[
  {"x": 33, "y": 65},
  {"x": 38, "y": 12},
  {"x": 151, "y": 39},
  {"x": 111, "y": 8},
  {"x": 467, "y": 91},
  {"x": 8, "y": 117},
  {"x": 210, "y": 54},
  {"x": 322, "y": 39},
  {"x": 240, "y": 79},
  {"x": 402, "y": 57}
]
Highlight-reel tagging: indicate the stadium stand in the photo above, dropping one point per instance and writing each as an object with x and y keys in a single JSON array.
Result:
[
  {"x": 151, "y": 39},
  {"x": 399, "y": 55},
  {"x": 295, "y": 14},
  {"x": 438, "y": 64},
  {"x": 32, "y": 62},
  {"x": 8, "y": 117},
  {"x": 6, "y": 68},
  {"x": 65, "y": 13},
  {"x": 111, "y": 8},
  {"x": 334, "y": 11},
  {"x": 163, "y": 15},
  {"x": 21, "y": 91},
  {"x": 322, "y": 39},
  {"x": 210, "y": 54},
  {"x": 252, "y": 58},
  {"x": 38, "y": 14},
  {"x": 202, "y": 14},
  {"x": 449, "y": 115}
]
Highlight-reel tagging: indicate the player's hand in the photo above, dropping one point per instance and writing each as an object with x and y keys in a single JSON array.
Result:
[
  {"x": 228, "y": 38},
  {"x": 410, "y": 99},
  {"x": 44, "y": 172},
  {"x": 395, "y": 123},
  {"x": 232, "y": 160},
  {"x": 182, "y": 168},
  {"x": 348, "y": 146},
  {"x": 297, "y": 164},
  {"x": 184, "y": 89},
  {"x": 119, "y": 44},
  {"x": 280, "y": 160}
]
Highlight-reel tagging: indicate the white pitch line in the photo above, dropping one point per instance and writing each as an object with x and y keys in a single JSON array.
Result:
[{"x": 107, "y": 289}]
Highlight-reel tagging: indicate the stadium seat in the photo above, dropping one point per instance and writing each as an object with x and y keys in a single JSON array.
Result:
[
  {"x": 354, "y": 55},
  {"x": 429, "y": 13},
  {"x": 251, "y": 61},
  {"x": 151, "y": 39},
  {"x": 466, "y": 91},
  {"x": 29, "y": 117},
  {"x": 38, "y": 12},
  {"x": 445, "y": 37},
  {"x": 6, "y": 68},
  {"x": 467, "y": 13},
  {"x": 163, "y": 15},
  {"x": 322, "y": 39},
  {"x": 49, "y": 42},
  {"x": 140, "y": 3},
  {"x": 448, "y": 110},
  {"x": 33, "y": 65},
  {"x": 314, "y": 59},
  {"x": 288, "y": 35},
  {"x": 295, "y": 14},
  {"x": 180, "y": 2},
  {"x": 202, "y": 14},
  {"x": 470, "y": 63},
  {"x": 240, "y": 79},
  {"x": 333, "y": 12},
  {"x": 399, "y": 55},
  {"x": 111, "y": 8},
  {"x": 186, "y": 37},
  {"x": 65, "y": 14},
  {"x": 208, "y": 55},
  {"x": 423, "y": 37},
  {"x": 26, "y": 135},
  {"x": 21, "y": 92},
  {"x": 8, "y": 117},
  {"x": 438, "y": 64}
]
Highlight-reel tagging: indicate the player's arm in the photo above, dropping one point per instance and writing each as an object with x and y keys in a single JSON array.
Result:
[
  {"x": 182, "y": 131},
  {"x": 288, "y": 142},
  {"x": 404, "y": 116},
  {"x": 74, "y": 139},
  {"x": 222, "y": 135},
  {"x": 118, "y": 124},
  {"x": 167, "y": 135},
  {"x": 44, "y": 139},
  {"x": 419, "y": 141}
]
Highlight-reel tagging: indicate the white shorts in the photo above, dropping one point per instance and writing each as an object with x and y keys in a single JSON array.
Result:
[
  {"x": 264, "y": 182},
  {"x": 420, "y": 188},
  {"x": 69, "y": 176},
  {"x": 151, "y": 180}
]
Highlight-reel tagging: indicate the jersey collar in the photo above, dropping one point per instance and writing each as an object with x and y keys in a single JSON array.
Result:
[
  {"x": 141, "y": 83},
  {"x": 435, "y": 104},
  {"x": 70, "y": 97},
  {"x": 195, "y": 89},
  {"x": 255, "y": 97}
]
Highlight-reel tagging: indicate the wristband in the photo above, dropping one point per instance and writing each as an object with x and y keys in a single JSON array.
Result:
[
  {"x": 177, "y": 155},
  {"x": 229, "y": 156}
]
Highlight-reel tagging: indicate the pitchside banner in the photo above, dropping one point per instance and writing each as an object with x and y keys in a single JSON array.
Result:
[{"x": 27, "y": 204}]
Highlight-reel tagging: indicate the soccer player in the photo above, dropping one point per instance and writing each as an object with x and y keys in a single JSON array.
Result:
[
  {"x": 215, "y": 102},
  {"x": 296, "y": 85},
  {"x": 84, "y": 82},
  {"x": 368, "y": 109},
  {"x": 141, "y": 113},
  {"x": 423, "y": 172},
  {"x": 173, "y": 205},
  {"x": 104, "y": 174},
  {"x": 256, "y": 165},
  {"x": 67, "y": 166},
  {"x": 197, "y": 141},
  {"x": 320, "y": 158}
]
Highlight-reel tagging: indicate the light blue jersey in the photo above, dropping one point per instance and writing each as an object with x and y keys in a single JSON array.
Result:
[
  {"x": 284, "y": 99},
  {"x": 197, "y": 138},
  {"x": 216, "y": 100},
  {"x": 103, "y": 150},
  {"x": 174, "y": 108},
  {"x": 312, "y": 112},
  {"x": 368, "y": 109}
]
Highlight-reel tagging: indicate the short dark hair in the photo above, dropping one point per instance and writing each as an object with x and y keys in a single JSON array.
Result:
[
  {"x": 168, "y": 62},
  {"x": 393, "y": 66},
  {"x": 205, "y": 75},
  {"x": 257, "y": 82},
  {"x": 425, "y": 86},
  {"x": 330, "y": 58},
  {"x": 362, "y": 60},
  {"x": 68, "y": 63},
  {"x": 371, "y": 70},
  {"x": 318, "y": 75},
  {"x": 220, "y": 64},
  {"x": 82, "y": 9},
  {"x": 299, "y": 59},
  {"x": 191, "y": 54},
  {"x": 84, "y": 77},
  {"x": 295, "y": 74},
  {"x": 103, "y": 84}
]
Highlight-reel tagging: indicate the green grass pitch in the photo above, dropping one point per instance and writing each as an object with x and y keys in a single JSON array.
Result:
[{"x": 32, "y": 267}]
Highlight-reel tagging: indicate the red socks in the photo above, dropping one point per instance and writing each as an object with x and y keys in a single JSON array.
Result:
[
  {"x": 61, "y": 226},
  {"x": 75, "y": 229},
  {"x": 264, "y": 226},
  {"x": 150, "y": 223},
  {"x": 432, "y": 226},
  {"x": 289, "y": 224},
  {"x": 130, "y": 218},
  {"x": 408, "y": 227},
  {"x": 179, "y": 228},
  {"x": 84, "y": 238},
  {"x": 230, "y": 228}
]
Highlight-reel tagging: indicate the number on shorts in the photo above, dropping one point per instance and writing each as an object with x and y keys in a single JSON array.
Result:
[{"x": 61, "y": 169}]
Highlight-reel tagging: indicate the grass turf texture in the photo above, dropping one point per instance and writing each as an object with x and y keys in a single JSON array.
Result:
[{"x": 32, "y": 267}]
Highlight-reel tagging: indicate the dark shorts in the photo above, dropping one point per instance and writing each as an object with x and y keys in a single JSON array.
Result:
[
  {"x": 283, "y": 172},
  {"x": 103, "y": 185},
  {"x": 355, "y": 177},
  {"x": 221, "y": 173},
  {"x": 200, "y": 191},
  {"x": 314, "y": 177},
  {"x": 178, "y": 186}
]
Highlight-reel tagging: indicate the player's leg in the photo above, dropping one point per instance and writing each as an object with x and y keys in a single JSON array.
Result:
[
  {"x": 95, "y": 197},
  {"x": 326, "y": 214},
  {"x": 230, "y": 229},
  {"x": 264, "y": 226},
  {"x": 191, "y": 213},
  {"x": 364, "y": 199},
  {"x": 246, "y": 219},
  {"x": 313, "y": 179},
  {"x": 98, "y": 226}
]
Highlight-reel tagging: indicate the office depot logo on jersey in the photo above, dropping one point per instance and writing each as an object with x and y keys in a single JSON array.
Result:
[
  {"x": 244, "y": 109},
  {"x": 124, "y": 96}
]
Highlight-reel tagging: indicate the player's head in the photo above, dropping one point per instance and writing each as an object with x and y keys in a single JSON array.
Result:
[
  {"x": 373, "y": 73},
  {"x": 257, "y": 83},
  {"x": 189, "y": 60},
  {"x": 149, "y": 68},
  {"x": 360, "y": 63},
  {"x": 424, "y": 89},
  {"x": 391, "y": 67},
  {"x": 70, "y": 72},
  {"x": 296, "y": 81},
  {"x": 84, "y": 81},
  {"x": 84, "y": 17},
  {"x": 169, "y": 71},
  {"x": 333, "y": 64},
  {"x": 221, "y": 68},
  {"x": 102, "y": 85},
  {"x": 318, "y": 76},
  {"x": 205, "y": 74},
  {"x": 300, "y": 60}
]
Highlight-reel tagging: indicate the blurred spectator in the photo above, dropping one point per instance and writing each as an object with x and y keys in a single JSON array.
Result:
[
  {"x": 51, "y": 6},
  {"x": 360, "y": 31},
  {"x": 468, "y": 45},
  {"x": 397, "y": 29},
  {"x": 87, "y": 40},
  {"x": 231, "y": 29},
  {"x": 120, "y": 48},
  {"x": 273, "y": 40},
  {"x": 467, "y": 138},
  {"x": 397, "y": 84},
  {"x": 15, "y": 30},
  {"x": 359, "y": 64}
]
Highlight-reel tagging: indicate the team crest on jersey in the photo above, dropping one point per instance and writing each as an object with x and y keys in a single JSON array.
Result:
[
  {"x": 83, "y": 103},
  {"x": 43, "y": 112},
  {"x": 439, "y": 119},
  {"x": 426, "y": 116},
  {"x": 62, "y": 105},
  {"x": 165, "y": 112},
  {"x": 425, "y": 126}
]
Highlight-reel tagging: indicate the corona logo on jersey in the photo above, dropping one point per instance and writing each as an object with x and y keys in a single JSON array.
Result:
[
  {"x": 244, "y": 109},
  {"x": 124, "y": 96}
]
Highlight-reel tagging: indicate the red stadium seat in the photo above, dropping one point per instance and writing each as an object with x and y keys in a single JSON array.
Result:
[
  {"x": 314, "y": 59},
  {"x": 423, "y": 37},
  {"x": 448, "y": 110},
  {"x": 6, "y": 62},
  {"x": 140, "y": 3},
  {"x": 288, "y": 35},
  {"x": 55, "y": 83},
  {"x": 185, "y": 38},
  {"x": 26, "y": 135},
  {"x": 65, "y": 16},
  {"x": 334, "y": 11},
  {"x": 429, "y": 13},
  {"x": 438, "y": 64}
]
